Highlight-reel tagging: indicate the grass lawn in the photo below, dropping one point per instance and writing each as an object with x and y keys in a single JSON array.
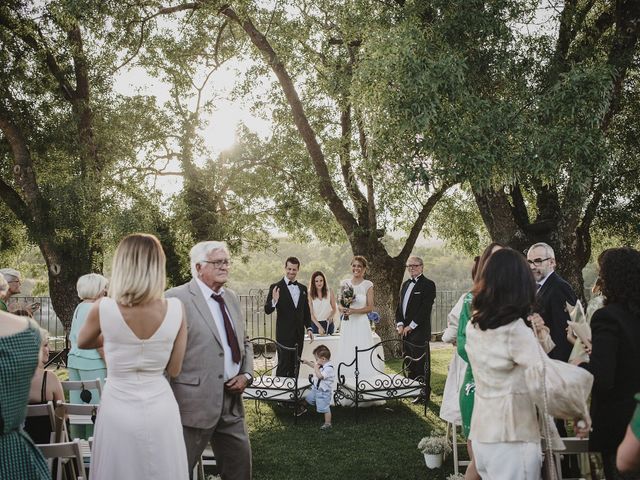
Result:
[{"x": 383, "y": 445}]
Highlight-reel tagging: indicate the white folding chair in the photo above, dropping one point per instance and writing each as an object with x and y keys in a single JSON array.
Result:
[
  {"x": 206, "y": 459},
  {"x": 44, "y": 410},
  {"x": 80, "y": 413},
  {"x": 61, "y": 454},
  {"x": 69, "y": 385},
  {"x": 452, "y": 429}
]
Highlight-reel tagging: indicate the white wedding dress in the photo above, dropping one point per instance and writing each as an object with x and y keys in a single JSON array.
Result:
[
  {"x": 356, "y": 332},
  {"x": 138, "y": 430}
]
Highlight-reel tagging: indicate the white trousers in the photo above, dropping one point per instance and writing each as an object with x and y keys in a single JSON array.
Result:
[{"x": 508, "y": 460}]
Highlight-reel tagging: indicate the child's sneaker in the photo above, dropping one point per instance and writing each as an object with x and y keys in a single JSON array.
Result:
[
  {"x": 325, "y": 427},
  {"x": 301, "y": 410}
]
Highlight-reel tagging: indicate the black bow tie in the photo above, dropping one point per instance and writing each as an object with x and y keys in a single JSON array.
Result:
[
  {"x": 292, "y": 283},
  {"x": 412, "y": 280}
]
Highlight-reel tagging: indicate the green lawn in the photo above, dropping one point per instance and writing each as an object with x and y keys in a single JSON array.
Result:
[{"x": 381, "y": 446}]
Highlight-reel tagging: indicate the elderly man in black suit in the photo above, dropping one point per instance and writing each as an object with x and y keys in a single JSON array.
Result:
[
  {"x": 289, "y": 299},
  {"x": 551, "y": 300},
  {"x": 413, "y": 321}
]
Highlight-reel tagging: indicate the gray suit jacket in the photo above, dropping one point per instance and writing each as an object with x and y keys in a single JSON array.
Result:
[{"x": 199, "y": 388}]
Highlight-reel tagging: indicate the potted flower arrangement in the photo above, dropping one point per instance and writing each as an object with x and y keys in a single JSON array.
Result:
[{"x": 433, "y": 448}]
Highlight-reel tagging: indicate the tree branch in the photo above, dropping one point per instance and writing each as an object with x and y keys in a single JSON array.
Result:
[
  {"x": 328, "y": 193},
  {"x": 420, "y": 221}
]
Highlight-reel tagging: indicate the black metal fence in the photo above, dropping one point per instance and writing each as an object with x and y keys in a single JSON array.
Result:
[{"x": 257, "y": 322}]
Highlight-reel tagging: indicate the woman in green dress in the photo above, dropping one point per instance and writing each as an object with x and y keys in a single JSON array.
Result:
[
  {"x": 468, "y": 387},
  {"x": 19, "y": 348}
]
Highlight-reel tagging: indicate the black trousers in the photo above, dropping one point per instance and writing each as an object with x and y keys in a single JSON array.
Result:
[{"x": 288, "y": 360}]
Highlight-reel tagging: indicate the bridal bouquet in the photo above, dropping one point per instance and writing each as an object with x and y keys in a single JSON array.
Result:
[{"x": 346, "y": 297}]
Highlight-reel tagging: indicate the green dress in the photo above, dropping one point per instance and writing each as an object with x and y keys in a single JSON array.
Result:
[
  {"x": 468, "y": 388},
  {"x": 19, "y": 457},
  {"x": 3, "y": 306},
  {"x": 635, "y": 421}
]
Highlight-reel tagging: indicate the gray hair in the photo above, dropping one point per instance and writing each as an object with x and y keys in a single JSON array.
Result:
[
  {"x": 90, "y": 285},
  {"x": 199, "y": 252},
  {"x": 548, "y": 251},
  {"x": 11, "y": 272},
  {"x": 417, "y": 259}
]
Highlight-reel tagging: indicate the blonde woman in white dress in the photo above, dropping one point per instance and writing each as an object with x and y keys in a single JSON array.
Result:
[
  {"x": 322, "y": 304},
  {"x": 138, "y": 431}
]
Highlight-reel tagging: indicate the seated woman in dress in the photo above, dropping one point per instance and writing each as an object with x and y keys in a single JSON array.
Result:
[
  {"x": 500, "y": 346},
  {"x": 322, "y": 304},
  {"x": 45, "y": 387},
  {"x": 85, "y": 364},
  {"x": 615, "y": 332},
  {"x": 19, "y": 347}
]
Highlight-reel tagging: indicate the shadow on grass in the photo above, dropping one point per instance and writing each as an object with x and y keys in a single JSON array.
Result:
[{"x": 382, "y": 445}]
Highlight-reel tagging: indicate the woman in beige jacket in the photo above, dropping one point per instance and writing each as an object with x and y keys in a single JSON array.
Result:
[{"x": 500, "y": 346}]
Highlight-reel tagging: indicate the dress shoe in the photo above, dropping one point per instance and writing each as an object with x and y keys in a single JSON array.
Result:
[{"x": 419, "y": 400}]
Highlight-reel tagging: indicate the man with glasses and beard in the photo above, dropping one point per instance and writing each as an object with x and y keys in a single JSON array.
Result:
[
  {"x": 551, "y": 298},
  {"x": 553, "y": 294}
]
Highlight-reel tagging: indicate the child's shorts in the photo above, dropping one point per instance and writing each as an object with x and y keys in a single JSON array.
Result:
[{"x": 320, "y": 398}]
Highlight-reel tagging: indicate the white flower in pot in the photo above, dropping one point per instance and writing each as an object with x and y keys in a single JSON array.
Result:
[{"x": 433, "y": 449}]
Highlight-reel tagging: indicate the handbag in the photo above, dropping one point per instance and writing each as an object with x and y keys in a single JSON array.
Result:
[{"x": 559, "y": 390}]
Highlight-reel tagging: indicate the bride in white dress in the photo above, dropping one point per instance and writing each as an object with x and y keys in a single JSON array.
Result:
[
  {"x": 138, "y": 431},
  {"x": 356, "y": 330}
]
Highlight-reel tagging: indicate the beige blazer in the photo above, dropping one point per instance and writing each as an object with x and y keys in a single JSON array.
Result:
[
  {"x": 503, "y": 410},
  {"x": 199, "y": 388}
]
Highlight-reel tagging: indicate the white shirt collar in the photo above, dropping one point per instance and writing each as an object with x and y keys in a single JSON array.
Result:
[{"x": 206, "y": 291}]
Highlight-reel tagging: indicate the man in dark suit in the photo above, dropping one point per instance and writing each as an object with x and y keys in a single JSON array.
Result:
[
  {"x": 551, "y": 300},
  {"x": 293, "y": 317},
  {"x": 413, "y": 321},
  {"x": 551, "y": 304}
]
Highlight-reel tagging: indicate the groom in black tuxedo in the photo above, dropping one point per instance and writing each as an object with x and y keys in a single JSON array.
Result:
[
  {"x": 413, "y": 321},
  {"x": 289, "y": 299}
]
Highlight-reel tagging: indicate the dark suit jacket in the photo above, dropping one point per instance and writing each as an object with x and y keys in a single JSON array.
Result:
[
  {"x": 291, "y": 321},
  {"x": 418, "y": 309},
  {"x": 551, "y": 305},
  {"x": 615, "y": 365}
]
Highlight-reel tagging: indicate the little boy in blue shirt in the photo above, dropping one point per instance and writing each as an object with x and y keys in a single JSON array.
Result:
[{"x": 321, "y": 383}]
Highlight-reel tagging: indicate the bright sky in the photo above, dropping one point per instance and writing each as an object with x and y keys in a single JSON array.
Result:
[{"x": 220, "y": 132}]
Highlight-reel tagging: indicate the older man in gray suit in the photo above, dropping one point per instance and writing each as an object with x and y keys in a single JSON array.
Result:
[{"x": 217, "y": 367}]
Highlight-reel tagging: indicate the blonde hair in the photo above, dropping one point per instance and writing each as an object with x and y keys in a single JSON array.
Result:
[
  {"x": 44, "y": 335},
  {"x": 90, "y": 285},
  {"x": 138, "y": 270}
]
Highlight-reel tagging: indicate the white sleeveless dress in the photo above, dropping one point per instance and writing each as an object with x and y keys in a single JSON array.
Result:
[
  {"x": 138, "y": 431},
  {"x": 356, "y": 332}
]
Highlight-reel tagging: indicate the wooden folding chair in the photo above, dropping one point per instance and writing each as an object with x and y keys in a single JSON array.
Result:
[
  {"x": 452, "y": 430},
  {"x": 44, "y": 410},
  {"x": 66, "y": 454}
]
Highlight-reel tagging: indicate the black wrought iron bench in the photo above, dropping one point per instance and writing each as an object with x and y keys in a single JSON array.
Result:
[
  {"x": 266, "y": 385},
  {"x": 390, "y": 382}
]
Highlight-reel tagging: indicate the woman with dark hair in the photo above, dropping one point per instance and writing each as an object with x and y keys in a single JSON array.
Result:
[
  {"x": 615, "y": 355},
  {"x": 322, "y": 304},
  {"x": 500, "y": 346},
  {"x": 468, "y": 386}
]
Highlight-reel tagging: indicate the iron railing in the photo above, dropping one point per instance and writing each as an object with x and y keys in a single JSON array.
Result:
[{"x": 258, "y": 324}]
